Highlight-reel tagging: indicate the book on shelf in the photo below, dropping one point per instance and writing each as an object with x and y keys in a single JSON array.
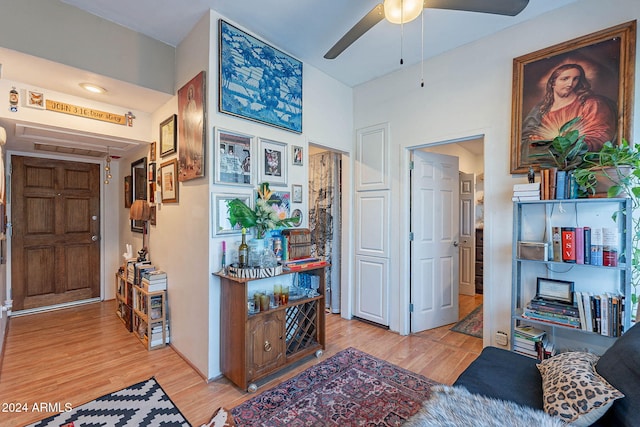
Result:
[
  {"x": 153, "y": 287},
  {"x": 561, "y": 319},
  {"x": 552, "y": 182},
  {"x": 553, "y": 307},
  {"x": 568, "y": 244},
  {"x": 517, "y": 198},
  {"x": 556, "y": 242},
  {"x": 609, "y": 247},
  {"x": 588, "y": 315},
  {"x": 529, "y": 331},
  {"x": 561, "y": 179},
  {"x": 587, "y": 244},
  {"x": 531, "y": 186},
  {"x": 153, "y": 275},
  {"x": 301, "y": 264},
  {"x": 596, "y": 246},
  {"x": 579, "y": 243}
]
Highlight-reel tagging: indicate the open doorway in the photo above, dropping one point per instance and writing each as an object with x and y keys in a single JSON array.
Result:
[
  {"x": 470, "y": 154},
  {"x": 325, "y": 201}
]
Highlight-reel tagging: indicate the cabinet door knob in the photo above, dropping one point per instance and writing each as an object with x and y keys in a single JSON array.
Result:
[{"x": 267, "y": 346}]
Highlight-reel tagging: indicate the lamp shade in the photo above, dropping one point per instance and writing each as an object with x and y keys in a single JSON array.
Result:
[
  {"x": 402, "y": 11},
  {"x": 140, "y": 210}
]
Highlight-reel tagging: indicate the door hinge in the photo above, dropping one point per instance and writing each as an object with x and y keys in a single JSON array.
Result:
[
  {"x": 410, "y": 308},
  {"x": 411, "y": 236},
  {"x": 411, "y": 165}
]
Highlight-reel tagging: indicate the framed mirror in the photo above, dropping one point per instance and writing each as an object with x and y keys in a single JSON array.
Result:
[{"x": 139, "y": 186}]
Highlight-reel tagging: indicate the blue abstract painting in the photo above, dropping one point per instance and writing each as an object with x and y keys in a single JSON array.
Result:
[{"x": 259, "y": 82}]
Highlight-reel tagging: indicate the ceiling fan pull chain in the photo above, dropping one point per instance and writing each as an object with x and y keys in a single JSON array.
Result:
[
  {"x": 422, "y": 52},
  {"x": 401, "y": 30}
]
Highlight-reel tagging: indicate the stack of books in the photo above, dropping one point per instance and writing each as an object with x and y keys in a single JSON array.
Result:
[
  {"x": 154, "y": 280},
  {"x": 524, "y": 192},
  {"x": 553, "y": 312},
  {"x": 532, "y": 342}
]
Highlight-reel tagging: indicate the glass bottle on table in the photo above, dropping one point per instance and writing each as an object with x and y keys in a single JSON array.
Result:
[{"x": 243, "y": 250}]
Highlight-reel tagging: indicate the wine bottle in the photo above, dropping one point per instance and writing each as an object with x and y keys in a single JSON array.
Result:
[{"x": 243, "y": 250}]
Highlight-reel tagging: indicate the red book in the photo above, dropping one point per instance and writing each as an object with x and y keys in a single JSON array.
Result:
[{"x": 568, "y": 244}]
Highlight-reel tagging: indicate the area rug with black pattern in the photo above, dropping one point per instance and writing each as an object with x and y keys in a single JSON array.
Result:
[
  {"x": 351, "y": 388},
  {"x": 142, "y": 404}
]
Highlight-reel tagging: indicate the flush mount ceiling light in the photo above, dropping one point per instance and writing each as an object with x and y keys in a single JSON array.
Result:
[{"x": 93, "y": 88}]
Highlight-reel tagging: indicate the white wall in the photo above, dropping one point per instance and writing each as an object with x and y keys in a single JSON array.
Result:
[
  {"x": 65, "y": 34},
  {"x": 182, "y": 243},
  {"x": 468, "y": 92}
]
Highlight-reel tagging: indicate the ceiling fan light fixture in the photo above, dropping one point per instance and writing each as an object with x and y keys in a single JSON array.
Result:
[{"x": 402, "y": 11}]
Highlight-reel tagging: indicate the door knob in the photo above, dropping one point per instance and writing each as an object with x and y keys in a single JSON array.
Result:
[
  {"x": 455, "y": 244},
  {"x": 94, "y": 238}
]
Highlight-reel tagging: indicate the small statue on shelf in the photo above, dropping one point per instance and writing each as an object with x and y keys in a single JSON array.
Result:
[{"x": 531, "y": 175}]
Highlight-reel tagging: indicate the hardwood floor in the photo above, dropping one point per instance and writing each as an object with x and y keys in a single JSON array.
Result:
[{"x": 78, "y": 354}]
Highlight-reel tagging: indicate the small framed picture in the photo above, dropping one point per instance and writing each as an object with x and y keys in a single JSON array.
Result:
[
  {"x": 233, "y": 158},
  {"x": 128, "y": 191},
  {"x": 555, "y": 290},
  {"x": 222, "y": 224},
  {"x": 296, "y": 153},
  {"x": 168, "y": 136},
  {"x": 152, "y": 151},
  {"x": 153, "y": 215},
  {"x": 169, "y": 181},
  {"x": 152, "y": 171},
  {"x": 274, "y": 162},
  {"x": 152, "y": 192},
  {"x": 296, "y": 189},
  {"x": 297, "y": 213}
]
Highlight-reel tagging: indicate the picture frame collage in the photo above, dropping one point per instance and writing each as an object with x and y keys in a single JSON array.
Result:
[{"x": 244, "y": 160}]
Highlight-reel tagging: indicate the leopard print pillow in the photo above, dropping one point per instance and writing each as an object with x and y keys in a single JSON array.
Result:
[{"x": 573, "y": 390}]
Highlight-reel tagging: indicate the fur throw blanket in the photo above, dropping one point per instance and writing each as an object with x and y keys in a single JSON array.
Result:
[{"x": 456, "y": 407}]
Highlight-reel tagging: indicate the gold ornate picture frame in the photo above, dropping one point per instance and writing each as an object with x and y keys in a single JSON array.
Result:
[{"x": 602, "y": 68}]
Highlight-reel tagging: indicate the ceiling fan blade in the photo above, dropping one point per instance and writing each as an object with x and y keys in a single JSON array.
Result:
[
  {"x": 498, "y": 7},
  {"x": 365, "y": 24}
]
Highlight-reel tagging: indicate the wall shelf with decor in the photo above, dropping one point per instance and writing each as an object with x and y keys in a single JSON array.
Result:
[
  {"x": 254, "y": 343},
  {"x": 571, "y": 275}
]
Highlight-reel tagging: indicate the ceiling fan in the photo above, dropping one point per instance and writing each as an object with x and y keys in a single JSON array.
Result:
[{"x": 403, "y": 11}]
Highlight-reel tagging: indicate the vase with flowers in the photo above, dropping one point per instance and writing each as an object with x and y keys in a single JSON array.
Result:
[{"x": 264, "y": 217}]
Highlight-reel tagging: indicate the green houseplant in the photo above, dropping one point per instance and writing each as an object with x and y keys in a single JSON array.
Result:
[
  {"x": 619, "y": 165},
  {"x": 264, "y": 217},
  {"x": 566, "y": 151}
]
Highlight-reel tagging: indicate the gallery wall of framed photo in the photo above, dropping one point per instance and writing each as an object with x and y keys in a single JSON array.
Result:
[{"x": 241, "y": 161}]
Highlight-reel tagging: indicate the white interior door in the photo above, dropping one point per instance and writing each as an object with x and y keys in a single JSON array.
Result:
[
  {"x": 434, "y": 248},
  {"x": 467, "y": 234}
]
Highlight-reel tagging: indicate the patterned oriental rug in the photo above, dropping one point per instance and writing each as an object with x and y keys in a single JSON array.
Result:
[
  {"x": 142, "y": 404},
  {"x": 351, "y": 388},
  {"x": 471, "y": 324}
]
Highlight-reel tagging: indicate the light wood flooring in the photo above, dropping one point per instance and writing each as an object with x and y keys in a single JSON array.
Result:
[{"x": 78, "y": 354}]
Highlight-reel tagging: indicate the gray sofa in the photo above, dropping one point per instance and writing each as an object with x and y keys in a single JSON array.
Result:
[{"x": 506, "y": 375}]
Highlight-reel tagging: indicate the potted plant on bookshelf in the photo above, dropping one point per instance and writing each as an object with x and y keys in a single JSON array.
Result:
[
  {"x": 564, "y": 154},
  {"x": 566, "y": 151},
  {"x": 614, "y": 171}
]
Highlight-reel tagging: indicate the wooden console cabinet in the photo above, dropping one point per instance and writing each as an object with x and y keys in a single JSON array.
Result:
[{"x": 254, "y": 346}]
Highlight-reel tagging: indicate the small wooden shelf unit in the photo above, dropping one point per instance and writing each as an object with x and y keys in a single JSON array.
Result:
[
  {"x": 143, "y": 313},
  {"x": 254, "y": 346}
]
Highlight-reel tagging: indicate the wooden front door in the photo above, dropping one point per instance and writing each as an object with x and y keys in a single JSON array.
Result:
[{"x": 55, "y": 249}]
